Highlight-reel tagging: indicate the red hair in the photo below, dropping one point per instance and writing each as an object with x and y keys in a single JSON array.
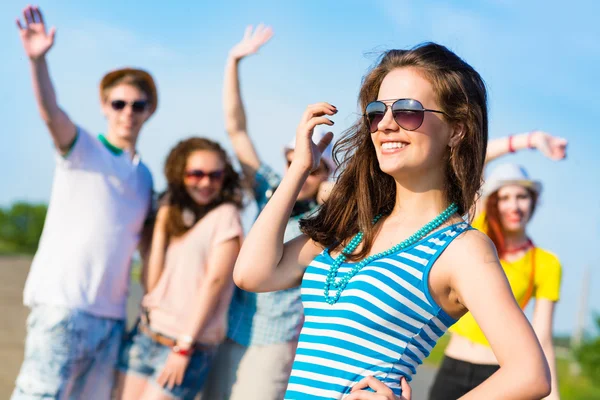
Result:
[{"x": 494, "y": 230}]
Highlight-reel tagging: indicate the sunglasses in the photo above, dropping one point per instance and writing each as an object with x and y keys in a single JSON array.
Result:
[
  {"x": 408, "y": 113},
  {"x": 138, "y": 106},
  {"x": 198, "y": 175}
]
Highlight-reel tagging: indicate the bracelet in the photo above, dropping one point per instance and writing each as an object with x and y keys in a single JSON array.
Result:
[
  {"x": 511, "y": 148},
  {"x": 182, "y": 352}
]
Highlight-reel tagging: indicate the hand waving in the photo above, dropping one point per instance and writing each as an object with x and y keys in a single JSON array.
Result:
[
  {"x": 36, "y": 40},
  {"x": 252, "y": 41},
  {"x": 553, "y": 147}
]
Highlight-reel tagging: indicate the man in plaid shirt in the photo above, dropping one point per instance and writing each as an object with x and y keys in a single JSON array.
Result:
[{"x": 256, "y": 360}]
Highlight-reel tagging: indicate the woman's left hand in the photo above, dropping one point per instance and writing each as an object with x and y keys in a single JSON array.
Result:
[
  {"x": 173, "y": 371},
  {"x": 382, "y": 392}
]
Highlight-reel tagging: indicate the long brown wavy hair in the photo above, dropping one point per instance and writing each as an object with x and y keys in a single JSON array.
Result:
[
  {"x": 493, "y": 224},
  {"x": 176, "y": 195},
  {"x": 461, "y": 94}
]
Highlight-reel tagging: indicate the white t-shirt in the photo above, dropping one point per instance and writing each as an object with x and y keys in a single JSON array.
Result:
[{"x": 96, "y": 213}]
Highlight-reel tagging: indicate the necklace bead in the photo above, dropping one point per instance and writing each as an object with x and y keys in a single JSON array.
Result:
[{"x": 341, "y": 283}]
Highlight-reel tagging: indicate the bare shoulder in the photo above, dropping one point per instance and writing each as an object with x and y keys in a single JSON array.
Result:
[{"x": 471, "y": 248}]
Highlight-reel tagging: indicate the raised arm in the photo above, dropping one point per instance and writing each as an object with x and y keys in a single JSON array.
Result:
[
  {"x": 543, "y": 317},
  {"x": 553, "y": 147},
  {"x": 37, "y": 42},
  {"x": 265, "y": 264},
  {"x": 481, "y": 286},
  {"x": 235, "y": 116}
]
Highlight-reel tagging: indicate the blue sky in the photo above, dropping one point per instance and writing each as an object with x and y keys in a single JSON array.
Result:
[{"x": 539, "y": 59}]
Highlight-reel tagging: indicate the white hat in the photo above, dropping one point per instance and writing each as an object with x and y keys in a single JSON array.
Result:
[
  {"x": 509, "y": 174},
  {"x": 319, "y": 133}
]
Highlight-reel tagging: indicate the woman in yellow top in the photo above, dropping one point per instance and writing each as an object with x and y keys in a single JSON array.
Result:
[{"x": 508, "y": 202}]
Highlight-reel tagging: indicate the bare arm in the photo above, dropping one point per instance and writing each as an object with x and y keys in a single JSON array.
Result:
[
  {"x": 216, "y": 279},
  {"x": 543, "y": 317},
  {"x": 37, "y": 42},
  {"x": 156, "y": 261},
  {"x": 235, "y": 116},
  {"x": 265, "y": 263},
  {"x": 482, "y": 287},
  {"x": 551, "y": 146}
]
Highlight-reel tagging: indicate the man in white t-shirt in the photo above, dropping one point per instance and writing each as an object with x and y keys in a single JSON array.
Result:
[{"x": 101, "y": 195}]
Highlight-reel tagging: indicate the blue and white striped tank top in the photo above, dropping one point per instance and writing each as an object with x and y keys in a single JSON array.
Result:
[{"x": 384, "y": 324}]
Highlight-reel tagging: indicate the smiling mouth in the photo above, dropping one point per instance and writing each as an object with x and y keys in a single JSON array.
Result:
[{"x": 391, "y": 146}]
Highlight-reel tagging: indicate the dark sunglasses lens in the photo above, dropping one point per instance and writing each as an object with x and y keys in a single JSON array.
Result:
[
  {"x": 216, "y": 175},
  {"x": 375, "y": 112},
  {"x": 408, "y": 114},
  {"x": 118, "y": 104},
  {"x": 195, "y": 174},
  {"x": 139, "y": 106}
]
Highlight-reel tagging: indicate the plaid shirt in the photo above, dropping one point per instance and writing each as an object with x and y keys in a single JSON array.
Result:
[{"x": 267, "y": 318}]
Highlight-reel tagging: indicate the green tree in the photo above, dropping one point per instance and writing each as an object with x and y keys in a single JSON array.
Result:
[
  {"x": 21, "y": 227},
  {"x": 588, "y": 356}
]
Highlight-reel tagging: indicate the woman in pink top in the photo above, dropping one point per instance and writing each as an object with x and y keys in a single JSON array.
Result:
[{"x": 196, "y": 240}]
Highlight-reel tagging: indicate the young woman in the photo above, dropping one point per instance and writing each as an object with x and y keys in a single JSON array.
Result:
[
  {"x": 509, "y": 200},
  {"x": 382, "y": 273},
  {"x": 197, "y": 237}
]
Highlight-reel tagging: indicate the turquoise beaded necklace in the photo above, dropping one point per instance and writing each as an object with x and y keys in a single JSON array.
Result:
[{"x": 340, "y": 284}]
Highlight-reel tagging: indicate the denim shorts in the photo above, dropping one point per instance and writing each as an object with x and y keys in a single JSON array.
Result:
[
  {"x": 69, "y": 354},
  {"x": 142, "y": 356}
]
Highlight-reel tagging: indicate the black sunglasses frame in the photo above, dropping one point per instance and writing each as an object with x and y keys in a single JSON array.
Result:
[
  {"x": 137, "y": 106},
  {"x": 391, "y": 107}
]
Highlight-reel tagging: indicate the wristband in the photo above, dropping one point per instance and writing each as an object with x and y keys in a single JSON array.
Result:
[
  {"x": 181, "y": 351},
  {"x": 511, "y": 148}
]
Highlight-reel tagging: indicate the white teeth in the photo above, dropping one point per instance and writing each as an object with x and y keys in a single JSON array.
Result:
[{"x": 393, "y": 145}]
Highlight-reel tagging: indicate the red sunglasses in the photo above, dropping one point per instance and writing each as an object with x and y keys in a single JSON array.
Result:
[{"x": 198, "y": 175}]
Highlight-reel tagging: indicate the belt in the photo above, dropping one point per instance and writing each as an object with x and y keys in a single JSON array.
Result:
[{"x": 167, "y": 340}]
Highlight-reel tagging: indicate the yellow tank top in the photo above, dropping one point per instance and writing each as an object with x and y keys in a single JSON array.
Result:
[{"x": 546, "y": 283}]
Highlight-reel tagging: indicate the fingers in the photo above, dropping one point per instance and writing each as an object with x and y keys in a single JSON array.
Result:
[
  {"x": 373, "y": 383},
  {"x": 324, "y": 142},
  {"x": 52, "y": 33},
  {"x": 248, "y": 32},
  {"x": 38, "y": 14},
  {"x": 28, "y": 15},
  {"x": 162, "y": 378},
  {"x": 406, "y": 389},
  {"x": 179, "y": 378},
  {"x": 319, "y": 109},
  {"x": 262, "y": 34},
  {"x": 172, "y": 379},
  {"x": 19, "y": 24}
]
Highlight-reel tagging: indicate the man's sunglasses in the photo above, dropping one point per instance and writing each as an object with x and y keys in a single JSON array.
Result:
[
  {"x": 198, "y": 174},
  {"x": 408, "y": 113},
  {"x": 138, "y": 106}
]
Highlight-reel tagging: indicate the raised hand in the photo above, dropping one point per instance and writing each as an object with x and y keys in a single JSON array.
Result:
[
  {"x": 553, "y": 147},
  {"x": 36, "y": 41},
  {"x": 252, "y": 41},
  {"x": 307, "y": 154}
]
